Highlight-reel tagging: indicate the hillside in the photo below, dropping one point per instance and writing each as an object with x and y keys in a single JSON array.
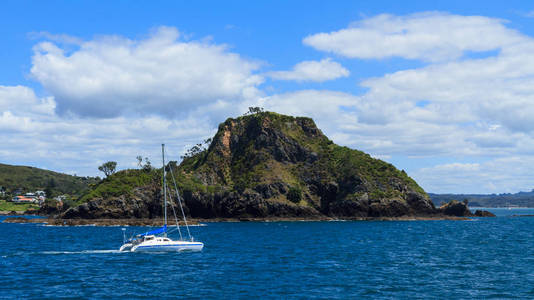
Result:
[
  {"x": 521, "y": 199},
  {"x": 266, "y": 165},
  {"x": 29, "y": 179}
]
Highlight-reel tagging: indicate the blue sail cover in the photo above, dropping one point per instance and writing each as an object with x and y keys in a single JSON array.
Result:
[{"x": 155, "y": 231}]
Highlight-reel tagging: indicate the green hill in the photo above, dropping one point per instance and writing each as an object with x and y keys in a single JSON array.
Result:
[
  {"x": 30, "y": 179},
  {"x": 265, "y": 165}
]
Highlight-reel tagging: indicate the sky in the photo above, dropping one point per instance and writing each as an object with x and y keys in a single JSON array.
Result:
[{"x": 441, "y": 89}]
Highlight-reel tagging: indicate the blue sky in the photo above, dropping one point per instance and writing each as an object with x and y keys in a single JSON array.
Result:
[{"x": 440, "y": 89}]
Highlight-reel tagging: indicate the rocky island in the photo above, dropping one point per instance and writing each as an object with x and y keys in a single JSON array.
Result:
[{"x": 266, "y": 166}]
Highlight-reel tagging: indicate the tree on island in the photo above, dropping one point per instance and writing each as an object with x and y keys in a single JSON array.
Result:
[
  {"x": 108, "y": 168},
  {"x": 147, "y": 166},
  {"x": 254, "y": 110},
  {"x": 198, "y": 148}
]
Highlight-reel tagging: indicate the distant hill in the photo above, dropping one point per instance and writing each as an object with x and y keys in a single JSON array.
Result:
[
  {"x": 30, "y": 179},
  {"x": 522, "y": 199}
]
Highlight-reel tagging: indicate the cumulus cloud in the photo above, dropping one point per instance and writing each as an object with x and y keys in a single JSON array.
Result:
[
  {"x": 33, "y": 134},
  {"x": 500, "y": 175},
  {"x": 161, "y": 74},
  {"x": 474, "y": 95},
  {"x": 498, "y": 89},
  {"x": 425, "y": 36},
  {"x": 317, "y": 71},
  {"x": 15, "y": 98}
]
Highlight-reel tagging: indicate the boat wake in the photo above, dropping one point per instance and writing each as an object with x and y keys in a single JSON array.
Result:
[{"x": 80, "y": 252}]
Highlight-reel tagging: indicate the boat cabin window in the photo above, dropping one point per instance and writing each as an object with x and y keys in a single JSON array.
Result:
[{"x": 148, "y": 238}]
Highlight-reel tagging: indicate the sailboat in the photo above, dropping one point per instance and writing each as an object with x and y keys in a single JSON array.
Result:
[{"x": 157, "y": 240}]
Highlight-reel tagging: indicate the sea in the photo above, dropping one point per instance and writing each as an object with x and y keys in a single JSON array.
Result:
[{"x": 489, "y": 258}]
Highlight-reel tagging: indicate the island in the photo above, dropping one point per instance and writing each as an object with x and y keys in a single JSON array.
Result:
[{"x": 263, "y": 166}]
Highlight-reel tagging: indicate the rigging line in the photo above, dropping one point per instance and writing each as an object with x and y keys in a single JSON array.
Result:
[
  {"x": 164, "y": 182},
  {"x": 162, "y": 187},
  {"x": 174, "y": 212},
  {"x": 180, "y": 202}
]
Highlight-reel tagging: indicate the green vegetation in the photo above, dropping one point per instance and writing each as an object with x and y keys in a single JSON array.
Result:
[
  {"x": 10, "y": 206},
  {"x": 294, "y": 194},
  {"x": 108, "y": 168},
  {"x": 198, "y": 148},
  {"x": 30, "y": 179},
  {"x": 121, "y": 183},
  {"x": 345, "y": 161}
]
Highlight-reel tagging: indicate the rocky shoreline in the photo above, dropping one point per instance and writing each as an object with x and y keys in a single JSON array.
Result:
[
  {"x": 453, "y": 210},
  {"x": 12, "y": 213},
  {"x": 159, "y": 222}
]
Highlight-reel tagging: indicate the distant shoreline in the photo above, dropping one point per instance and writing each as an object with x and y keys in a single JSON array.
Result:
[{"x": 501, "y": 207}]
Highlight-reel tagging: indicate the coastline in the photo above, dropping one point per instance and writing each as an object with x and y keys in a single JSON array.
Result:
[
  {"x": 12, "y": 212},
  {"x": 159, "y": 222}
]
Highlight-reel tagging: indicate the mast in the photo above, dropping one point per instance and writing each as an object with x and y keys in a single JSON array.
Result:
[{"x": 164, "y": 184}]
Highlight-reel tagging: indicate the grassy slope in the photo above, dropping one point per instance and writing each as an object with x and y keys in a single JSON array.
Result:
[
  {"x": 10, "y": 206},
  {"x": 337, "y": 162},
  {"x": 31, "y": 179},
  {"x": 120, "y": 183}
]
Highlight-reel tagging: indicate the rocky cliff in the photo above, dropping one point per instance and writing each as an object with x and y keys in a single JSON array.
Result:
[{"x": 271, "y": 165}]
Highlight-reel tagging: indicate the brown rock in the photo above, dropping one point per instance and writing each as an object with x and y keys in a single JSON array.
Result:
[{"x": 483, "y": 213}]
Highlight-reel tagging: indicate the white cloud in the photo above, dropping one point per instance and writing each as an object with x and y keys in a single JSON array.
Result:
[
  {"x": 33, "y": 134},
  {"x": 59, "y": 38},
  {"x": 497, "y": 89},
  {"x": 14, "y": 98},
  {"x": 485, "y": 103},
  {"x": 500, "y": 175},
  {"x": 424, "y": 36},
  {"x": 162, "y": 74},
  {"x": 317, "y": 71}
]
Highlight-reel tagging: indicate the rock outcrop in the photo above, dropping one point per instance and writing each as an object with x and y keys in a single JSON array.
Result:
[
  {"x": 460, "y": 209},
  {"x": 483, "y": 213}
]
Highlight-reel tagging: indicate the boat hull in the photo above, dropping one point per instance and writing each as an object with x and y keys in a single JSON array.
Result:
[
  {"x": 168, "y": 247},
  {"x": 126, "y": 247}
]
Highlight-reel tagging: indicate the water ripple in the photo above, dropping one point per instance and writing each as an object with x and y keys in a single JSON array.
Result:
[{"x": 490, "y": 258}]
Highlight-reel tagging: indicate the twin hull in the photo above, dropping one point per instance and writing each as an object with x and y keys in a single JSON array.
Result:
[{"x": 172, "y": 246}]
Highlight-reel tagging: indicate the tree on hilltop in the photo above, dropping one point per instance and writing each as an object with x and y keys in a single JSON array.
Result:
[
  {"x": 108, "y": 168},
  {"x": 254, "y": 110},
  {"x": 147, "y": 166}
]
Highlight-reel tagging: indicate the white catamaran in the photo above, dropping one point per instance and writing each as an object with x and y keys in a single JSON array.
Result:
[{"x": 157, "y": 240}]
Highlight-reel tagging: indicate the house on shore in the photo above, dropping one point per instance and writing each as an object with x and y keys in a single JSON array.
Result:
[{"x": 24, "y": 199}]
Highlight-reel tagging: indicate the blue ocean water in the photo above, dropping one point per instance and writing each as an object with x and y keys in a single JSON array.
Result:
[{"x": 481, "y": 258}]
